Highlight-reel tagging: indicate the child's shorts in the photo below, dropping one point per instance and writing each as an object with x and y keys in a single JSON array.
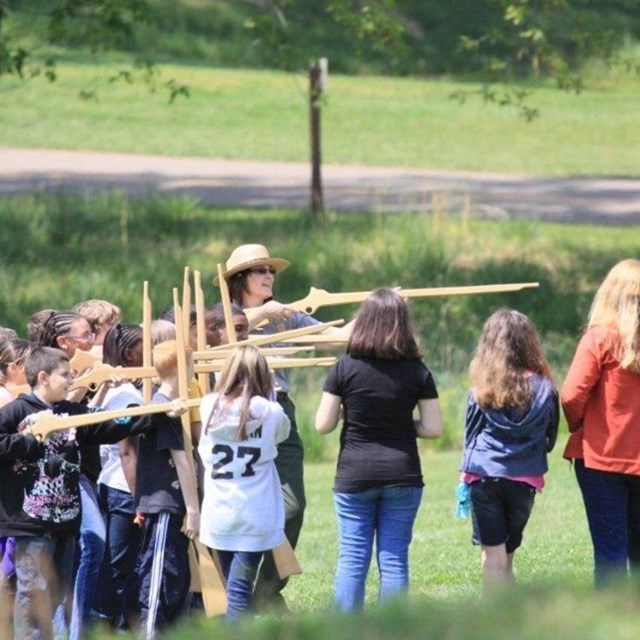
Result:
[{"x": 500, "y": 510}]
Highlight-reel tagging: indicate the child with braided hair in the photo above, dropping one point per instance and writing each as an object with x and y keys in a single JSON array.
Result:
[{"x": 122, "y": 347}]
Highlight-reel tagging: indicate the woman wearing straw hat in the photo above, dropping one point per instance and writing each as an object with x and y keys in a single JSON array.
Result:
[{"x": 250, "y": 273}]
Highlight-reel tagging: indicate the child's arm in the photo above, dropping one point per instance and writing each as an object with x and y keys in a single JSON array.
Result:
[
  {"x": 19, "y": 445},
  {"x": 430, "y": 423},
  {"x": 16, "y": 444},
  {"x": 328, "y": 413},
  {"x": 189, "y": 492},
  {"x": 129, "y": 460},
  {"x": 112, "y": 431}
]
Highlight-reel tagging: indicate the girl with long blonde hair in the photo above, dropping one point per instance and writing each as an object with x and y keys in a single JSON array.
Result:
[
  {"x": 243, "y": 508},
  {"x": 601, "y": 401},
  {"x": 511, "y": 424}
]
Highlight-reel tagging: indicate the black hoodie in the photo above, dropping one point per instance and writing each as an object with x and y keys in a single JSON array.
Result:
[{"x": 39, "y": 491}]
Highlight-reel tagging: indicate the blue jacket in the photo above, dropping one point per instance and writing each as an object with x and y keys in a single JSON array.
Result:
[{"x": 509, "y": 444}]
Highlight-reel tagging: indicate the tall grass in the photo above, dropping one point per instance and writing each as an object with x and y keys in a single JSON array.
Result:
[{"x": 59, "y": 250}]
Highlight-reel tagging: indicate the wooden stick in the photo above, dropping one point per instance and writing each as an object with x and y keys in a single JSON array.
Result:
[
  {"x": 103, "y": 372},
  {"x": 201, "y": 329},
  {"x": 274, "y": 363},
  {"x": 282, "y": 336},
  {"x": 82, "y": 360},
  {"x": 147, "y": 358},
  {"x": 226, "y": 305},
  {"x": 213, "y": 589},
  {"x": 47, "y": 423},
  {"x": 285, "y": 559},
  {"x": 320, "y": 340},
  {"x": 317, "y": 298},
  {"x": 265, "y": 351},
  {"x": 186, "y": 305}
]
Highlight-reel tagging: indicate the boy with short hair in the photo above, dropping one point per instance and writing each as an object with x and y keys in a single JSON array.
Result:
[
  {"x": 39, "y": 490},
  {"x": 216, "y": 326}
]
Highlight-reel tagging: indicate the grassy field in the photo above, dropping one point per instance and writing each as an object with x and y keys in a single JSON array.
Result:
[
  {"x": 59, "y": 250},
  {"x": 553, "y": 567},
  {"x": 367, "y": 120},
  {"x": 445, "y": 565}
]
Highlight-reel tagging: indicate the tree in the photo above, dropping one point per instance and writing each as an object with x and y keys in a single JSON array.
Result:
[
  {"x": 498, "y": 41},
  {"x": 95, "y": 25}
]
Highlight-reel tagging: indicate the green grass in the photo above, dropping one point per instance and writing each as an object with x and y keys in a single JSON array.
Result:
[
  {"x": 59, "y": 250},
  {"x": 445, "y": 565},
  {"x": 367, "y": 120},
  {"x": 553, "y": 568}
]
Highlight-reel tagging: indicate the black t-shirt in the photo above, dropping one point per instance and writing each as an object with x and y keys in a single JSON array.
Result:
[
  {"x": 157, "y": 485},
  {"x": 378, "y": 439}
]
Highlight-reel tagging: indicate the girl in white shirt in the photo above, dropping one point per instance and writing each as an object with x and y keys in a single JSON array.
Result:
[{"x": 242, "y": 512}]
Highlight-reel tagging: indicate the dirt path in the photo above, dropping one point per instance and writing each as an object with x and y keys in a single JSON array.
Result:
[{"x": 278, "y": 184}]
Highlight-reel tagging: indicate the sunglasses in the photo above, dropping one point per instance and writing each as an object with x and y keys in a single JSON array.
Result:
[{"x": 263, "y": 271}]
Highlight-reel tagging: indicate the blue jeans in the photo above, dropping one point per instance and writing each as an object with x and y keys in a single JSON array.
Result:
[
  {"x": 92, "y": 545},
  {"x": 239, "y": 569},
  {"x": 388, "y": 514},
  {"x": 118, "y": 581},
  {"x": 612, "y": 504}
]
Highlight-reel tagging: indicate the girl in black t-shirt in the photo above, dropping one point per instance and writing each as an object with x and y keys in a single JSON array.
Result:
[{"x": 378, "y": 483}]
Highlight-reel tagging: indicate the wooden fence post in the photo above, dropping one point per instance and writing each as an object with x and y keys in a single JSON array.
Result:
[{"x": 317, "y": 86}]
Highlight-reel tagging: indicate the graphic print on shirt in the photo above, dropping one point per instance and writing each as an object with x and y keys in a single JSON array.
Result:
[{"x": 51, "y": 493}]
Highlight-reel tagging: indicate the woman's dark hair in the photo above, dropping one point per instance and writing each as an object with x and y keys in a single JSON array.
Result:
[
  {"x": 57, "y": 324},
  {"x": 237, "y": 284},
  {"x": 382, "y": 329},
  {"x": 117, "y": 341}
]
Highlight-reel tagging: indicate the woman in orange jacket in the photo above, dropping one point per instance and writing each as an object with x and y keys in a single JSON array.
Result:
[{"x": 601, "y": 401}]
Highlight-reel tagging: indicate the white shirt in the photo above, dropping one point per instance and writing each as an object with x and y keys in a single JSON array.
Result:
[
  {"x": 243, "y": 508},
  {"x": 112, "y": 474}
]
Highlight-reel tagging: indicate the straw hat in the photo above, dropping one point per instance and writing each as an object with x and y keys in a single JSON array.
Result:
[{"x": 249, "y": 256}]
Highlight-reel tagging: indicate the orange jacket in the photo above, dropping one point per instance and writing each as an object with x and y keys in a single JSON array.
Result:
[{"x": 601, "y": 402}]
